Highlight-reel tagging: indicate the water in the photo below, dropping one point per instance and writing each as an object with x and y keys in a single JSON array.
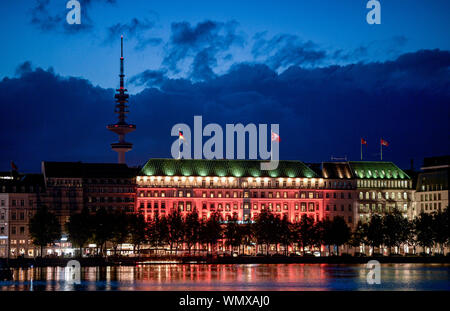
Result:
[{"x": 234, "y": 277}]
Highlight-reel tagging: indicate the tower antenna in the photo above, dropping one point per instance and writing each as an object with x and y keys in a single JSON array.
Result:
[{"x": 121, "y": 128}]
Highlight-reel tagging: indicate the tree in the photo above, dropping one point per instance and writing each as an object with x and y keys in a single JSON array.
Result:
[
  {"x": 79, "y": 229},
  {"x": 325, "y": 233},
  {"x": 102, "y": 229},
  {"x": 411, "y": 235},
  {"x": 246, "y": 234},
  {"x": 358, "y": 235},
  {"x": 44, "y": 228},
  {"x": 137, "y": 228},
  {"x": 440, "y": 229},
  {"x": 424, "y": 230},
  {"x": 191, "y": 229},
  {"x": 394, "y": 226},
  {"x": 175, "y": 232},
  {"x": 264, "y": 228},
  {"x": 284, "y": 235},
  {"x": 305, "y": 232},
  {"x": 340, "y": 232},
  {"x": 120, "y": 229},
  {"x": 375, "y": 232},
  {"x": 158, "y": 231},
  {"x": 233, "y": 233},
  {"x": 211, "y": 230}
]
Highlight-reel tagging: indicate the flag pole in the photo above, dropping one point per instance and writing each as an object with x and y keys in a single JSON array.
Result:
[
  {"x": 361, "y": 149},
  {"x": 381, "y": 149},
  {"x": 179, "y": 145},
  {"x": 271, "y": 147}
]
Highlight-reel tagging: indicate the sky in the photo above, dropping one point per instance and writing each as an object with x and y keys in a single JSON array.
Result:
[{"x": 317, "y": 68}]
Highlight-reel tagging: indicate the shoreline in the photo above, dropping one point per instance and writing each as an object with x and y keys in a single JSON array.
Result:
[{"x": 107, "y": 262}]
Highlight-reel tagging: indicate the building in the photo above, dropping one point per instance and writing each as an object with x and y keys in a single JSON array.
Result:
[
  {"x": 70, "y": 186},
  {"x": 340, "y": 192},
  {"x": 432, "y": 190},
  {"x": 20, "y": 195},
  {"x": 381, "y": 187}
]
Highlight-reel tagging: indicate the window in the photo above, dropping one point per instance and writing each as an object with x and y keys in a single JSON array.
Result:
[
  {"x": 303, "y": 207},
  {"x": 311, "y": 207},
  {"x": 327, "y": 208}
]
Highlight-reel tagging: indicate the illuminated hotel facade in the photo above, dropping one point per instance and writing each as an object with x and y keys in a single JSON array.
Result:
[{"x": 239, "y": 188}]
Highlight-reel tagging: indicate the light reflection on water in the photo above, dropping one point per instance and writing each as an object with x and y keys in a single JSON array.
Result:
[{"x": 234, "y": 277}]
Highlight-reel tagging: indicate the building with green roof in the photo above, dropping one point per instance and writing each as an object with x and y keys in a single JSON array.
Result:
[{"x": 224, "y": 168}]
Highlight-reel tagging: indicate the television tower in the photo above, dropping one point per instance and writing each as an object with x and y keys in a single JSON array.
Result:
[{"x": 121, "y": 127}]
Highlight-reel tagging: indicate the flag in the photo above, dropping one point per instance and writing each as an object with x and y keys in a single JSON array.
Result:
[
  {"x": 180, "y": 135},
  {"x": 384, "y": 143},
  {"x": 275, "y": 137},
  {"x": 363, "y": 142},
  {"x": 14, "y": 166}
]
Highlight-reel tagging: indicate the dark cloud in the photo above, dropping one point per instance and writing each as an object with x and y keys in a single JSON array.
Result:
[
  {"x": 202, "y": 64},
  {"x": 203, "y": 43},
  {"x": 284, "y": 50},
  {"x": 149, "y": 78},
  {"x": 135, "y": 29},
  {"x": 386, "y": 49},
  {"x": 24, "y": 68},
  {"x": 321, "y": 111},
  {"x": 47, "y": 21}
]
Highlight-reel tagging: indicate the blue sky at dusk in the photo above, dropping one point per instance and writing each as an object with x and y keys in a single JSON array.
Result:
[{"x": 315, "y": 67}]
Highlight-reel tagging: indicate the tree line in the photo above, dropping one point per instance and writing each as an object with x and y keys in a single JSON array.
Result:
[{"x": 193, "y": 235}]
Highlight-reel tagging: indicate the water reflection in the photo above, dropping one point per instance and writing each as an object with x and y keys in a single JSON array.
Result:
[{"x": 234, "y": 277}]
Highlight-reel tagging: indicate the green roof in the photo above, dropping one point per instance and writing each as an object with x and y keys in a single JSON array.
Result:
[
  {"x": 377, "y": 170},
  {"x": 224, "y": 168}
]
